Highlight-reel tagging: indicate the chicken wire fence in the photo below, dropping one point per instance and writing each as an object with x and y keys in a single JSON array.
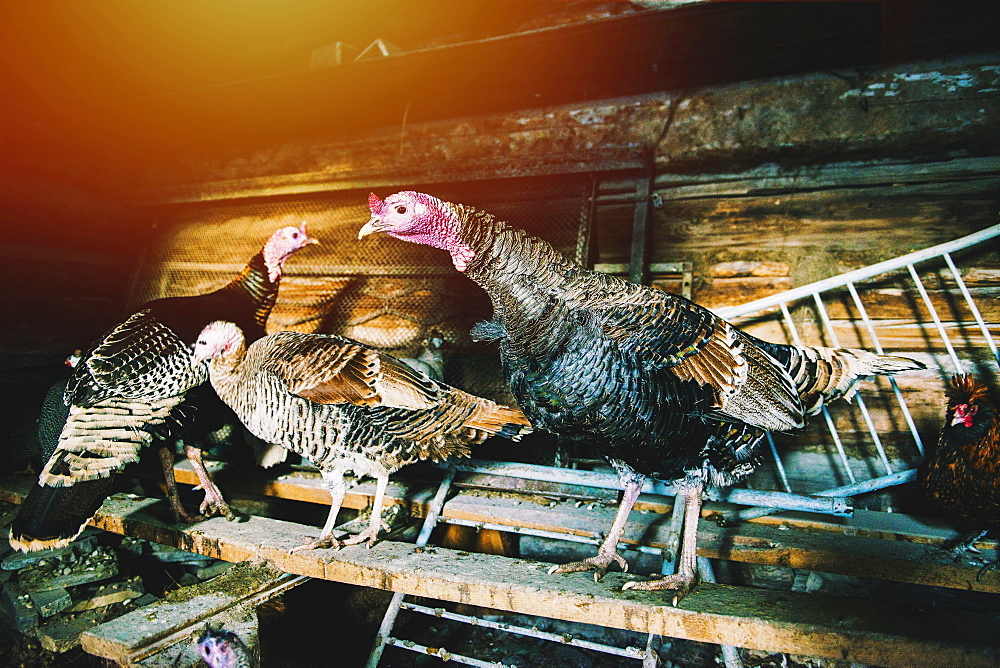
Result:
[{"x": 384, "y": 292}]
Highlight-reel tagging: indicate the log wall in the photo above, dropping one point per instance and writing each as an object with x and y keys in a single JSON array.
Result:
[{"x": 765, "y": 185}]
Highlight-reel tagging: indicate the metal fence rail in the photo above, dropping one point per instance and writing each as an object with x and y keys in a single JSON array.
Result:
[{"x": 814, "y": 293}]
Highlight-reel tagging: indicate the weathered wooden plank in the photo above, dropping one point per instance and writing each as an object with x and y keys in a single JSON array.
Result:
[
  {"x": 832, "y": 545},
  {"x": 863, "y": 631},
  {"x": 821, "y": 117},
  {"x": 141, "y": 633}
]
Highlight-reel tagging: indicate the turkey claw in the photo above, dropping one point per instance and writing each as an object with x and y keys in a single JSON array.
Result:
[
  {"x": 182, "y": 516},
  {"x": 599, "y": 563},
  {"x": 369, "y": 537},
  {"x": 217, "y": 509},
  {"x": 317, "y": 544},
  {"x": 682, "y": 585}
]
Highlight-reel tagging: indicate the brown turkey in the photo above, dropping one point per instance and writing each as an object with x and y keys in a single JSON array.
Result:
[
  {"x": 135, "y": 385},
  {"x": 346, "y": 407},
  {"x": 653, "y": 383},
  {"x": 961, "y": 477}
]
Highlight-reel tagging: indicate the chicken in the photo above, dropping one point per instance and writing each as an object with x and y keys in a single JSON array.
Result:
[
  {"x": 653, "y": 383},
  {"x": 961, "y": 477},
  {"x": 135, "y": 385},
  {"x": 346, "y": 407}
]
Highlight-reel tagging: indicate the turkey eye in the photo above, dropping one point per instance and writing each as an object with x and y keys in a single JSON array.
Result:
[{"x": 400, "y": 210}]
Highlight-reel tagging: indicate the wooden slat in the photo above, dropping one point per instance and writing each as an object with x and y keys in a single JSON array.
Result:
[
  {"x": 864, "y": 631},
  {"x": 834, "y": 545},
  {"x": 142, "y": 633}
]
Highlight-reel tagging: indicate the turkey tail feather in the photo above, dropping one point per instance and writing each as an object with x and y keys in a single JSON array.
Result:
[
  {"x": 825, "y": 374},
  {"x": 54, "y": 516},
  {"x": 497, "y": 419},
  {"x": 101, "y": 439}
]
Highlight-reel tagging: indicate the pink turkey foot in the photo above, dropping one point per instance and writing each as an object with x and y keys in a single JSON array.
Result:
[
  {"x": 215, "y": 506},
  {"x": 323, "y": 542},
  {"x": 681, "y": 583},
  {"x": 369, "y": 537},
  {"x": 599, "y": 563}
]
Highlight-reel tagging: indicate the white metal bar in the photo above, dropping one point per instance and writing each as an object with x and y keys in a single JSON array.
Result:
[
  {"x": 444, "y": 654},
  {"x": 854, "y": 489},
  {"x": 738, "y": 496},
  {"x": 562, "y": 639},
  {"x": 934, "y": 316},
  {"x": 383, "y": 639},
  {"x": 777, "y": 461},
  {"x": 897, "y": 478},
  {"x": 892, "y": 381},
  {"x": 790, "y": 324},
  {"x": 860, "y": 274},
  {"x": 828, "y": 325},
  {"x": 837, "y": 443},
  {"x": 972, "y": 305},
  {"x": 542, "y": 533}
]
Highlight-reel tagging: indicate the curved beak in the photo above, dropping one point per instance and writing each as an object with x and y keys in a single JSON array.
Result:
[
  {"x": 198, "y": 356},
  {"x": 373, "y": 225},
  {"x": 309, "y": 239}
]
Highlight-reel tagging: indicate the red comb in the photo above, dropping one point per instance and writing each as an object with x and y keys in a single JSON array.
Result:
[{"x": 374, "y": 203}]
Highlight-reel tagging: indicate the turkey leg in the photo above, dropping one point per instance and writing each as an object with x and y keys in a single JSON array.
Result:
[
  {"x": 686, "y": 577},
  {"x": 213, "y": 504},
  {"x": 370, "y": 535},
  {"x": 608, "y": 552},
  {"x": 338, "y": 489},
  {"x": 173, "y": 496}
]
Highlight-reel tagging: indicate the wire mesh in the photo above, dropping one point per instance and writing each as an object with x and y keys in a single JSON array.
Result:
[{"x": 381, "y": 291}]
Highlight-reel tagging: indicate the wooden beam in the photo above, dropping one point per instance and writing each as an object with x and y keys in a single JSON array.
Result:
[
  {"x": 817, "y": 118},
  {"x": 861, "y": 631}
]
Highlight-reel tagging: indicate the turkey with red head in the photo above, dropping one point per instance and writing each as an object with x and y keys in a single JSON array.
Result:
[
  {"x": 136, "y": 384},
  {"x": 650, "y": 381}
]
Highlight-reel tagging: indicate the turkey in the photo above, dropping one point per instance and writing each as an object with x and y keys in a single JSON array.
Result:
[
  {"x": 224, "y": 649},
  {"x": 961, "y": 477},
  {"x": 653, "y": 383},
  {"x": 346, "y": 407},
  {"x": 135, "y": 385}
]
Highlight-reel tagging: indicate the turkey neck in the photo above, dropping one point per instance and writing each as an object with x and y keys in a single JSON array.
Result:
[
  {"x": 255, "y": 283},
  {"x": 223, "y": 372},
  {"x": 521, "y": 274}
]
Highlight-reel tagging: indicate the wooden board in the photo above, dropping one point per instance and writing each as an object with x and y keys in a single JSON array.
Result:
[
  {"x": 865, "y": 546},
  {"x": 862, "y": 631},
  {"x": 144, "y": 632}
]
